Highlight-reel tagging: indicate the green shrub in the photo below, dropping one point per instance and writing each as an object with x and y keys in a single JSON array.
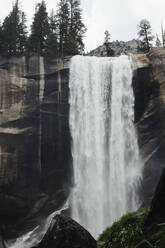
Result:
[
  {"x": 125, "y": 232},
  {"x": 158, "y": 238}
]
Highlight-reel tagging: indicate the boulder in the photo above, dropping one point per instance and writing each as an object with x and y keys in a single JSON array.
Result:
[{"x": 66, "y": 233}]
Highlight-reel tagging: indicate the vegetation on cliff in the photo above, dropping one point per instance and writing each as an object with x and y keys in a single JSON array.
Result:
[
  {"x": 145, "y": 33},
  {"x": 127, "y": 231},
  {"x": 133, "y": 231}
]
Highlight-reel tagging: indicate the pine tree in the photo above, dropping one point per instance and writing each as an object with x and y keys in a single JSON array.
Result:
[
  {"x": 22, "y": 30},
  {"x": 107, "y": 37},
  {"x": 14, "y": 32},
  {"x": 70, "y": 27},
  {"x": 51, "y": 47},
  {"x": 77, "y": 27},
  {"x": 145, "y": 32},
  {"x": 109, "y": 51},
  {"x": 39, "y": 29},
  {"x": 63, "y": 26},
  {"x": 106, "y": 41}
]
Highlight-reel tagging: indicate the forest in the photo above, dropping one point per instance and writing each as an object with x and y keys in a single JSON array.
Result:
[{"x": 58, "y": 34}]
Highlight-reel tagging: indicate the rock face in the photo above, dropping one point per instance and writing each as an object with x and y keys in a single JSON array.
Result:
[
  {"x": 35, "y": 168},
  {"x": 157, "y": 214},
  {"x": 67, "y": 233},
  {"x": 150, "y": 118},
  {"x": 35, "y": 143},
  {"x": 118, "y": 47}
]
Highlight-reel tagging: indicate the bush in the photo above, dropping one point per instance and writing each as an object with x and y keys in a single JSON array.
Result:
[{"x": 127, "y": 231}]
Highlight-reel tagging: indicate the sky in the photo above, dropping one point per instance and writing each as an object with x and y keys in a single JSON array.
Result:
[{"x": 120, "y": 17}]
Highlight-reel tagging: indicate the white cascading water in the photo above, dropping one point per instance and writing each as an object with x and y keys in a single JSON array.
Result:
[{"x": 106, "y": 161}]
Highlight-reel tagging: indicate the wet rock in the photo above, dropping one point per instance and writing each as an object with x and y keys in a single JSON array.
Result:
[
  {"x": 150, "y": 118},
  {"x": 35, "y": 158},
  {"x": 2, "y": 242},
  {"x": 157, "y": 213},
  {"x": 67, "y": 233}
]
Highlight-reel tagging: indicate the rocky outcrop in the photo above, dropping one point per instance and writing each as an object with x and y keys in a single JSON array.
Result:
[
  {"x": 66, "y": 233},
  {"x": 150, "y": 119},
  {"x": 157, "y": 214},
  {"x": 35, "y": 157},
  {"x": 35, "y": 168},
  {"x": 118, "y": 48}
]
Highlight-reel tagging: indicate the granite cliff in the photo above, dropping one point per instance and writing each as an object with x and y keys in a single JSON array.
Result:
[
  {"x": 35, "y": 168},
  {"x": 149, "y": 116},
  {"x": 35, "y": 143}
]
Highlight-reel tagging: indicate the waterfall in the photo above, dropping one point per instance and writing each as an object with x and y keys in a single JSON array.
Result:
[{"x": 106, "y": 161}]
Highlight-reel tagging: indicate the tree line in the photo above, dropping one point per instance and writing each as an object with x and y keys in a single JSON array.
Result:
[{"x": 58, "y": 34}]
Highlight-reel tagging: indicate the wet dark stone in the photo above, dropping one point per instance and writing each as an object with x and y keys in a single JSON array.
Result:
[
  {"x": 35, "y": 156},
  {"x": 157, "y": 213},
  {"x": 149, "y": 89},
  {"x": 67, "y": 233}
]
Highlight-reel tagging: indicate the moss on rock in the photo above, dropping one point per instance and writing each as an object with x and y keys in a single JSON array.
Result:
[
  {"x": 126, "y": 232},
  {"x": 132, "y": 231}
]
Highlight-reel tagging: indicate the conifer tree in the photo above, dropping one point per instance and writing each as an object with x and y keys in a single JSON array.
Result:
[
  {"x": 71, "y": 28},
  {"x": 109, "y": 51},
  {"x": 77, "y": 27},
  {"x": 39, "y": 29},
  {"x": 63, "y": 15},
  {"x": 14, "y": 31},
  {"x": 145, "y": 32},
  {"x": 51, "y": 47},
  {"x": 107, "y": 37},
  {"x": 22, "y": 31},
  {"x": 106, "y": 41},
  {"x": 57, "y": 35}
]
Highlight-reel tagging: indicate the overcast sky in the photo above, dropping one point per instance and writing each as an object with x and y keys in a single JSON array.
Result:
[{"x": 120, "y": 17}]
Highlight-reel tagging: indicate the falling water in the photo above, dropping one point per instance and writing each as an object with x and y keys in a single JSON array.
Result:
[{"x": 107, "y": 166}]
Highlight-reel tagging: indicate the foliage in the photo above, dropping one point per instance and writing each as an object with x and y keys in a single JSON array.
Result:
[
  {"x": 158, "y": 238},
  {"x": 14, "y": 32},
  {"x": 144, "y": 244},
  {"x": 77, "y": 27},
  {"x": 145, "y": 33},
  {"x": 63, "y": 25},
  {"x": 127, "y": 231},
  {"x": 70, "y": 28},
  {"x": 131, "y": 231},
  {"x": 107, "y": 37},
  {"x": 39, "y": 29},
  {"x": 59, "y": 34},
  {"x": 109, "y": 51},
  {"x": 51, "y": 43}
]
